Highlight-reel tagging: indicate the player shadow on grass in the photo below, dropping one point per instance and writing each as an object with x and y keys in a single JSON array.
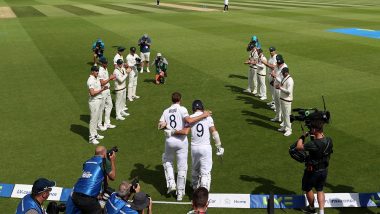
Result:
[
  {"x": 237, "y": 76},
  {"x": 266, "y": 186},
  {"x": 155, "y": 177},
  {"x": 249, "y": 99},
  {"x": 152, "y": 80},
  {"x": 79, "y": 129}
]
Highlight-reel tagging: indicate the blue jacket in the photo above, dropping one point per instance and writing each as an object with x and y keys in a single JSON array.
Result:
[
  {"x": 92, "y": 177},
  {"x": 27, "y": 203},
  {"x": 116, "y": 205}
]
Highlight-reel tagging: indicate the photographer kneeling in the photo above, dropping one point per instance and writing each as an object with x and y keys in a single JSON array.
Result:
[
  {"x": 315, "y": 174},
  {"x": 96, "y": 171},
  {"x": 118, "y": 201}
]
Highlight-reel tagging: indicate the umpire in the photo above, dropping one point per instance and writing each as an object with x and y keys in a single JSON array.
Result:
[{"x": 315, "y": 174}]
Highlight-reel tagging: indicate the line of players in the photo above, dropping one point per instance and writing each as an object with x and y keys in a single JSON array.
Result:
[
  {"x": 177, "y": 123},
  {"x": 280, "y": 82},
  {"x": 100, "y": 100}
]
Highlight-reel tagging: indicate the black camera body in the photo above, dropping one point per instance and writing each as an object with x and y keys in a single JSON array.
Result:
[
  {"x": 138, "y": 60},
  {"x": 134, "y": 184},
  {"x": 112, "y": 150},
  {"x": 54, "y": 208},
  {"x": 309, "y": 115}
]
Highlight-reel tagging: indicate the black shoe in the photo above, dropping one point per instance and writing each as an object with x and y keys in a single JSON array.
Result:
[{"x": 309, "y": 209}]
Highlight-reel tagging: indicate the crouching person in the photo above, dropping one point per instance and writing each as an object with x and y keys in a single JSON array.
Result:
[{"x": 118, "y": 201}]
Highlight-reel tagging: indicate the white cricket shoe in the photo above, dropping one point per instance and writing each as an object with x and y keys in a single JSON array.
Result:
[
  {"x": 124, "y": 113},
  {"x": 101, "y": 128},
  {"x": 147, "y": 70},
  {"x": 110, "y": 126},
  {"x": 287, "y": 133},
  {"x": 171, "y": 188},
  {"x": 99, "y": 137},
  {"x": 273, "y": 107},
  {"x": 136, "y": 97},
  {"x": 180, "y": 196},
  {"x": 125, "y": 108},
  {"x": 130, "y": 99},
  {"x": 270, "y": 103},
  {"x": 282, "y": 129},
  {"x": 247, "y": 90},
  {"x": 120, "y": 118},
  {"x": 254, "y": 92},
  {"x": 263, "y": 98},
  {"x": 276, "y": 119},
  {"x": 94, "y": 141},
  {"x": 142, "y": 70}
]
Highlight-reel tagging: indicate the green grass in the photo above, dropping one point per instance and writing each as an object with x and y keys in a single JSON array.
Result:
[{"x": 44, "y": 110}]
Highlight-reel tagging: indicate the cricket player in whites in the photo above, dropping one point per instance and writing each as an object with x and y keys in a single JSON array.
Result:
[
  {"x": 120, "y": 89},
  {"x": 132, "y": 59},
  {"x": 252, "y": 72},
  {"x": 106, "y": 105},
  {"x": 277, "y": 78},
  {"x": 201, "y": 151},
  {"x": 95, "y": 100},
  {"x": 173, "y": 120},
  {"x": 261, "y": 74}
]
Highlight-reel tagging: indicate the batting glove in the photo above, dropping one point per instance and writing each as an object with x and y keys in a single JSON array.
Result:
[
  {"x": 169, "y": 132},
  {"x": 219, "y": 151}
]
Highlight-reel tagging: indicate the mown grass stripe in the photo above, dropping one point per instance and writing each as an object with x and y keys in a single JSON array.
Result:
[
  {"x": 202, "y": 5},
  {"x": 143, "y": 7},
  {"x": 308, "y": 3},
  {"x": 281, "y": 3},
  {"x": 163, "y": 7},
  {"x": 123, "y": 9},
  {"x": 247, "y": 6},
  {"x": 77, "y": 10},
  {"x": 98, "y": 9},
  {"x": 26, "y": 11},
  {"x": 50, "y": 10}
]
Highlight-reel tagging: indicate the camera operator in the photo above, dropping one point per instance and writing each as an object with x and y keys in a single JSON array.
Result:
[
  {"x": 98, "y": 50},
  {"x": 96, "y": 171},
  {"x": 145, "y": 42},
  {"x": 133, "y": 60},
  {"x": 32, "y": 203},
  {"x": 315, "y": 174},
  {"x": 161, "y": 68},
  {"x": 118, "y": 201}
]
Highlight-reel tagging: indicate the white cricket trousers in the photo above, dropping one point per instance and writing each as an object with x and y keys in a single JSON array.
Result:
[
  {"x": 271, "y": 88},
  {"x": 262, "y": 86},
  {"x": 120, "y": 101},
  {"x": 201, "y": 156},
  {"x": 132, "y": 83},
  {"x": 94, "y": 105},
  {"x": 286, "y": 108},
  {"x": 106, "y": 107},
  {"x": 277, "y": 103},
  {"x": 252, "y": 79},
  {"x": 176, "y": 148}
]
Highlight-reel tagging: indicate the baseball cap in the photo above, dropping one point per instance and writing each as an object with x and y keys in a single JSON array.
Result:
[
  {"x": 145, "y": 35},
  {"x": 133, "y": 49},
  {"x": 279, "y": 59},
  {"x": 42, "y": 185},
  {"x": 159, "y": 54},
  {"x": 285, "y": 70},
  {"x": 119, "y": 61},
  {"x": 94, "y": 68},
  {"x": 103, "y": 60},
  {"x": 140, "y": 201},
  {"x": 120, "y": 49},
  {"x": 254, "y": 38},
  {"x": 271, "y": 49}
]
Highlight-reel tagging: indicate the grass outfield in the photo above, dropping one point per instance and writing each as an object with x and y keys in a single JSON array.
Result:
[{"x": 44, "y": 110}]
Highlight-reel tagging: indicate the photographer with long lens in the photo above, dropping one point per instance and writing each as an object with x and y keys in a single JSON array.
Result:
[
  {"x": 96, "y": 173},
  {"x": 316, "y": 153}
]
